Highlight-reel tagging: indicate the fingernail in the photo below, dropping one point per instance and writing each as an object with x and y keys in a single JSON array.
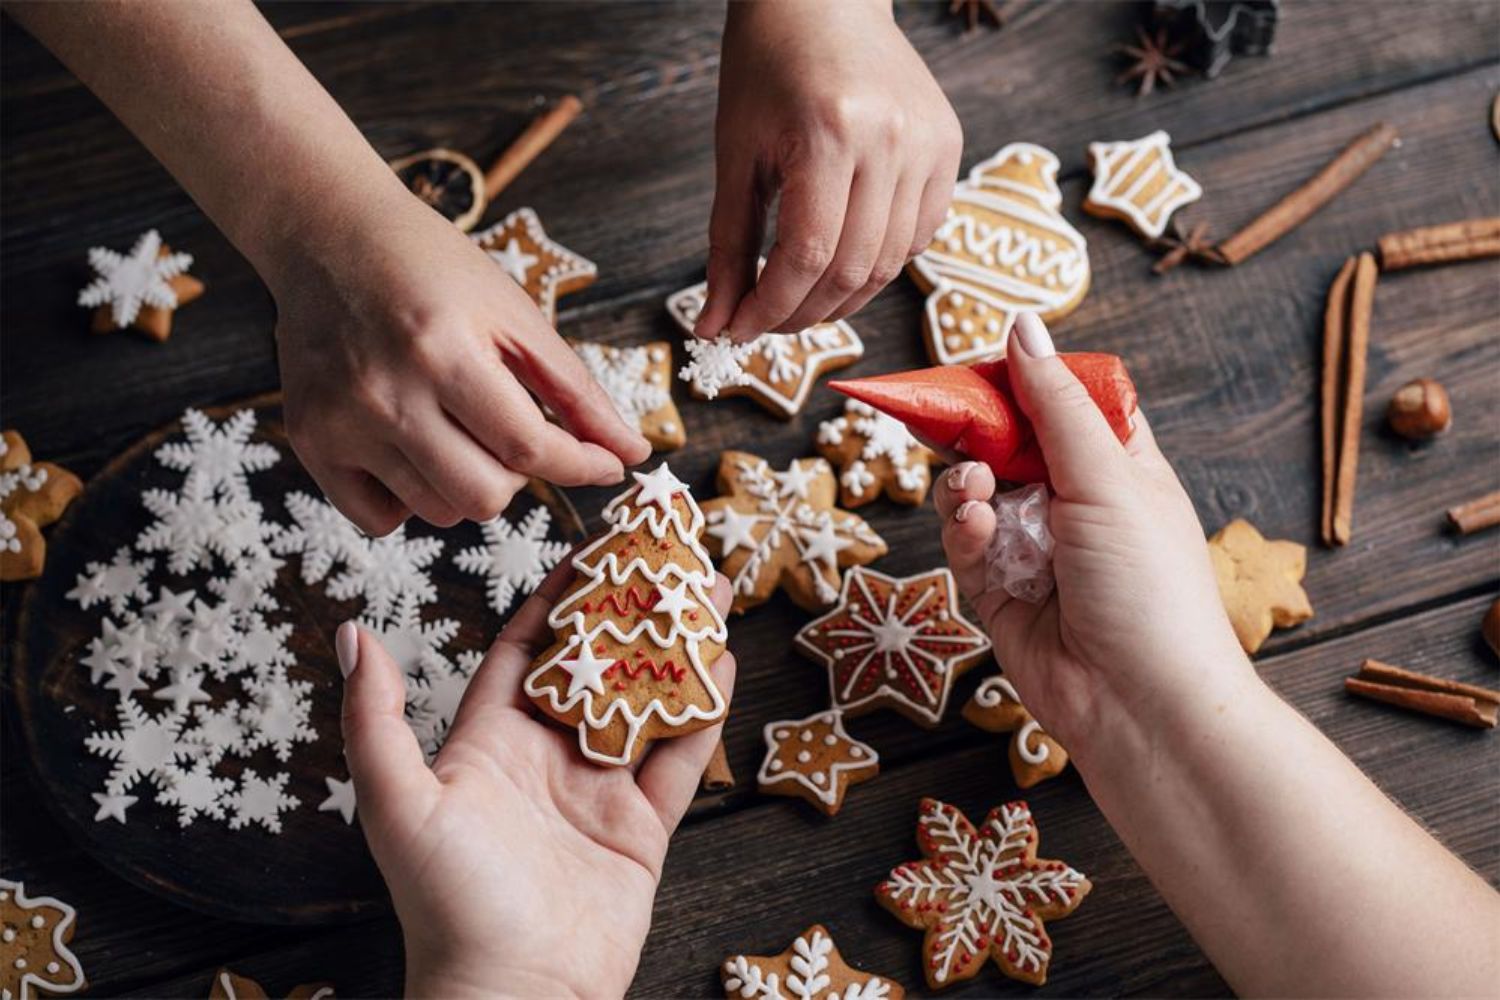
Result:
[
  {"x": 964, "y": 510},
  {"x": 346, "y": 644},
  {"x": 1033, "y": 336},
  {"x": 959, "y": 474}
]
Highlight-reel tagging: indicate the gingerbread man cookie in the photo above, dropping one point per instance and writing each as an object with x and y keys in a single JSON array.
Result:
[
  {"x": 34, "y": 953},
  {"x": 141, "y": 289},
  {"x": 1139, "y": 183},
  {"x": 814, "y": 759},
  {"x": 981, "y": 894},
  {"x": 1034, "y": 756},
  {"x": 781, "y": 529},
  {"x": 894, "y": 643},
  {"x": 638, "y": 380},
  {"x": 1004, "y": 248},
  {"x": 811, "y": 968},
  {"x": 875, "y": 453},
  {"x": 637, "y": 631},
  {"x": 32, "y": 496},
  {"x": 1260, "y": 582},
  {"x": 546, "y": 269}
]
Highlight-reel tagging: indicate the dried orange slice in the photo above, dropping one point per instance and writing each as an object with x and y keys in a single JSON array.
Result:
[{"x": 448, "y": 181}]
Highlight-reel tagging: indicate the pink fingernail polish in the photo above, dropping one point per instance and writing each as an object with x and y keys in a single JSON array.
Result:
[
  {"x": 1033, "y": 335},
  {"x": 346, "y": 645},
  {"x": 959, "y": 475},
  {"x": 964, "y": 510}
]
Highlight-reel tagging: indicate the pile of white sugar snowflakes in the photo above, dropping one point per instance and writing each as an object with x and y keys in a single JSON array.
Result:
[{"x": 208, "y": 717}]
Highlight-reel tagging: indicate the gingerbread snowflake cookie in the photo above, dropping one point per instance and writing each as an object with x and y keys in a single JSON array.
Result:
[
  {"x": 894, "y": 643},
  {"x": 34, "y": 955},
  {"x": 1260, "y": 582},
  {"x": 637, "y": 630},
  {"x": 1034, "y": 756},
  {"x": 781, "y": 529},
  {"x": 875, "y": 454},
  {"x": 141, "y": 289},
  {"x": 638, "y": 380},
  {"x": 32, "y": 496},
  {"x": 814, "y": 759},
  {"x": 811, "y": 968},
  {"x": 981, "y": 894},
  {"x": 544, "y": 268},
  {"x": 1139, "y": 183}
]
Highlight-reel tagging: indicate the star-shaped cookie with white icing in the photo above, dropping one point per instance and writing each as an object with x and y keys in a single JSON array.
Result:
[
  {"x": 546, "y": 269},
  {"x": 815, "y": 760},
  {"x": 1139, "y": 183}
]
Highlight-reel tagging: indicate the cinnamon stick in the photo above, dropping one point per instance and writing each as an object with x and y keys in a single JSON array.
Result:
[
  {"x": 1335, "y": 328},
  {"x": 529, "y": 145},
  {"x": 1361, "y": 305},
  {"x": 1477, "y": 514},
  {"x": 1453, "y": 241},
  {"x": 1294, "y": 209},
  {"x": 1468, "y": 704},
  {"x": 717, "y": 776}
]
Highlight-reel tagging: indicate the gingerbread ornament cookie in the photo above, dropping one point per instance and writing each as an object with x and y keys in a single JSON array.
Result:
[
  {"x": 637, "y": 630},
  {"x": 638, "y": 380},
  {"x": 1139, "y": 183},
  {"x": 811, "y": 968},
  {"x": 32, "y": 496},
  {"x": 1034, "y": 756},
  {"x": 141, "y": 289},
  {"x": 1260, "y": 582},
  {"x": 875, "y": 454},
  {"x": 546, "y": 269},
  {"x": 894, "y": 643},
  {"x": 1004, "y": 248},
  {"x": 981, "y": 894},
  {"x": 781, "y": 529},
  {"x": 35, "y": 959},
  {"x": 814, "y": 759}
]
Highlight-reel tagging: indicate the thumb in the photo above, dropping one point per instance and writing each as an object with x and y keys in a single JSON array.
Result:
[
  {"x": 1081, "y": 450},
  {"x": 735, "y": 230}
]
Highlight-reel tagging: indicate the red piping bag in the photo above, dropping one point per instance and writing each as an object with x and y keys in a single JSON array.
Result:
[{"x": 970, "y": 410}]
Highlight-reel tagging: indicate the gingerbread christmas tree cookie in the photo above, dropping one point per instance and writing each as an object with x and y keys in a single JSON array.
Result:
[
  {"x": 141, "y": 289},
  {"x": 35, "y": 959},
  {"x": 814, "y": 759},
  {"x": 546, "y": 269},
  {"x": 32, "y": 496},
  {"x": 811, "y": 968},
  {"x": 875, "y": 454},
  {"x": 894, "y": 643},
  {"x": 1139, "y": 183},
  {"x": 1260, "y": 582},
  {"x": 637, "y": 630},
  {"x": 981, "y": 894},
  {"x": 638, "y": 380},
  {"x": 781, "y": 529},
  {"x": 1034, "y": 756}
]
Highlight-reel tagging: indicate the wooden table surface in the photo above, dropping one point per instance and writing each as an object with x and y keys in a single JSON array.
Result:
[{"x": 1226, "y": 362}]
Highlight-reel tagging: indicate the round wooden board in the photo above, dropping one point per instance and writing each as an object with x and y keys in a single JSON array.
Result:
[{"x": 317, "y": 870}]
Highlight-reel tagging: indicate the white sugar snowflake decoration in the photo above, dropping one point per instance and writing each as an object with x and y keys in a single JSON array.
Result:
[
  {"x": 195, "y": 790},
  {"x": 433, "y": 701},
  {"x": 257, "y": 648},
  {"x": 321, "y": 536},
  {"x": 217, "y": 732},
  {"x": 514, "y": 559},
  {"x": 142, "y": 746},
  {"x": 125, "y": 283},
  {"x": 415, "y": 645},
  {"x": 715, "y": 365},
  {"x": 219, "y": 455},
  {"x": 384, "y": 570},
  {"x": 279, "y": 713},
  {"x": 259, "y": 800},
  {"x": 119, "y": 582},
  {"x": 189, "y": 526}
]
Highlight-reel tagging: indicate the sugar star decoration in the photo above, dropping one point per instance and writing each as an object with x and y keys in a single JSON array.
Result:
[
  {"x": 514, "y": 558},
  {"x": 1034, "y": 756},
  {"x": 35, "y": 959},
  {"x": 1139, "y": 183},
  {"x": 816, "y": 760},
  {"x": 340, "y": 798},
  {"x": 777, "y": 370},
  {"x": 875, "y": 453},
  {"x": 894, "y": 643},
  {"x": 112, "y": 806},
  {"x": 981, "y": 893},
  {"x": 782, "y": 529},
  {"x": 32, "y": 496},
  {"x": 140, "y": 289},
  {"x": 638, "y": 380},
  {"x": 1260, "y": 582},
  {"x": 547, "y": 270},
  {"x": 811, "y": 968}
]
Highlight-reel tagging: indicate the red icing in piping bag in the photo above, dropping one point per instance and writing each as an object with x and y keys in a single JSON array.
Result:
[{"x": 972, "y": 411}]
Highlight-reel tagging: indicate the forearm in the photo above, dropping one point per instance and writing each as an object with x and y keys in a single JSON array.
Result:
[{"x": 1294, "y": 873}]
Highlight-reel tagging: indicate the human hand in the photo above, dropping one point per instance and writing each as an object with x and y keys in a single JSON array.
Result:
[
  {"x": 1135, "y": 619},
  {"x": 829, "y": 104},
  {"x": 516, "y": 866},
  {"x": 406, "y": 355}
]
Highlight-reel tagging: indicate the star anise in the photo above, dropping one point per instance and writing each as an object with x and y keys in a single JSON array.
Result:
[
  {"x": 1184, "y": 245},
  {"x": 1153, "y": 61},
  {"x": 973, "y": 9}
]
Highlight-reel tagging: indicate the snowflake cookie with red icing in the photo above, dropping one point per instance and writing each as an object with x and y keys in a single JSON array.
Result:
[
  {"x": 815, "y": 760},
  {"x": 637, "y": 631},
  {"x": 34, "y": 952},
  {"x": 875, "y": 454},
  {"x": 811, "y": 968},
  {"x": 981, "y": 893},
  {"x": 894, "y": 643}
]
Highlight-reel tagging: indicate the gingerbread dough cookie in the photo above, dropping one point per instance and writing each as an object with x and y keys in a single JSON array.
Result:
[
  {"x": 32, "y": 496},
  {"x": 1260, "y": 582},
  {"x": 546, "y": 269},
  {"x": 638, "y": 380},
  {"x": 34, "y": 955},
  {"x": 811, "y": 968},
  {"x": 815, "y": 760},
  {"x": 1138, "y": 183},
  {"x": 875, "y": 454},
  {"x": 1034, "y": 756}
]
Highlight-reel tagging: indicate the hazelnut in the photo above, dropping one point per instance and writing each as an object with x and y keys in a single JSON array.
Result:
[{"x": 1420, "y": 409}]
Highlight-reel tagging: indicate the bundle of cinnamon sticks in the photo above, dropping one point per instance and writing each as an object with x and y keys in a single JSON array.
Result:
[{"x": 1467, "y": 704}]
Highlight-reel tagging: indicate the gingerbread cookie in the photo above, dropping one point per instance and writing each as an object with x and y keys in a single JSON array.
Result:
[
  {"x": 638, "y": 380},
  {"x": 547, "y": 270},
  {"x": 781, "y": 529},
  {"x": 1004, "y": 248},
  {"x": 875, "y": 454},
  {"x": 777, "y": 370},
  {"x": 815, "y": 760},
  {"x": 142, "y": 289},
  {"x": 1034, "y": 756},
  {"x": 231, "y": 986},
  {"x": 981, "y": 893},
  {"x": 34, "y": 955},
  {"x": 32, "y": 496},
  {"x": 637, "y": 631},
  {"x": 811, "y": 968},
  {"x": 894, "y": 643},
  {"x": 1139, "y": 183},
  {"x": 1260, "y": 582}
]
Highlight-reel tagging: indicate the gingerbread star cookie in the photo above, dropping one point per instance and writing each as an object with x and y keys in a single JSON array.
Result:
[
  {"x": 232, "y": 986},
  {"x": 1260, "y": 582},
  {"x": 875, "y": 454},
  {"x": 1034, "y": 756},
  {"x": 34, "y": 953},
  {"x": 32, "y": 496},
  {"x": 637, "y": 631},
  {"x": 781, "y": 529},
  {"x": 141, "y": 289},
  {"x": 981, "y": 894},
  {"x": 638, "y": 380},
  {"x": 1004, "y": 248},
  {"x": 547, "y": 270},
  {"x": 894, "y": 643},
  {"x": 1139, "y": 183},
  {"x": 814, "y": 759},
  {"x": 811, "y": 968}
]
